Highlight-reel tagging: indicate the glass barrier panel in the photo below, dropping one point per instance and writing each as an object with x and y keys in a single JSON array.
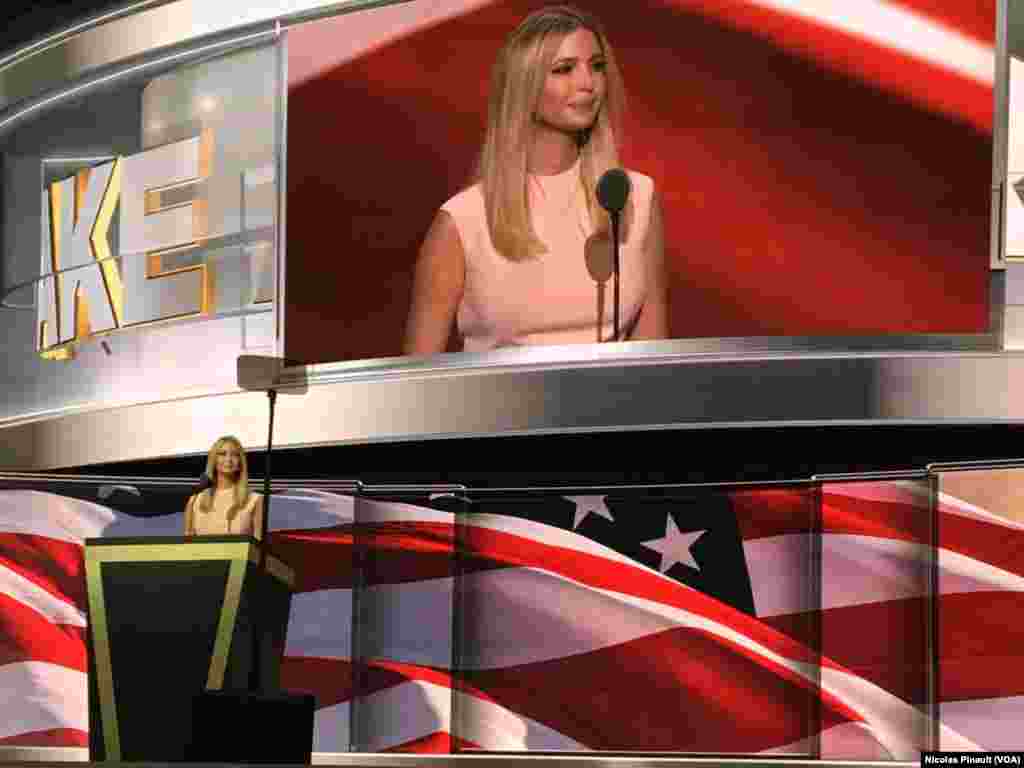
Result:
[
  {"x": 672, "y": 621},
  {"x": 877, "y": 619},
  {"x": 403, "y": 694},
  {"x": 980, "y": 605}
]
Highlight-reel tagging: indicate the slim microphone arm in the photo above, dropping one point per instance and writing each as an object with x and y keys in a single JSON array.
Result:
[
  {"x": 255, "y": 671},
  {"x": 260, "y": 373},
  {"x": 612, "y": 192},
  {"x": 264, "y": 521},
  {"x": 615, "y": 275}
]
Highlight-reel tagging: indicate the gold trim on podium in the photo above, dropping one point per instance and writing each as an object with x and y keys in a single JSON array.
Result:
[
  {"x": 101, "y": 644},
  {"x": 226, "y": 625},
  {"x": 239, "y": 554}
]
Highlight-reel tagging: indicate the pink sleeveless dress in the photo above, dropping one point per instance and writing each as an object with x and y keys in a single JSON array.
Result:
[{"x": 553, "y": 298}]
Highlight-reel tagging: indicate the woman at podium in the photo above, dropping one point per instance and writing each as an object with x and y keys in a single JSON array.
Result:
[
  {"x": 227, "y": 506},
  {"x": 522, "y": 256}
]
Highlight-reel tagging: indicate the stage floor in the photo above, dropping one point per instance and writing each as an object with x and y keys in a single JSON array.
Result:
[{"x": 35, "y": 757}]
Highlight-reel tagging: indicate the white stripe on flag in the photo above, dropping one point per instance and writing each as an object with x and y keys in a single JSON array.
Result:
[
  {"x": 846, "y": 741},
  {"x": 331, "y": 728},
  {"x": 320, "y": 624},
  {"x": 900, "y": 29},
  {"x": 411, "y": 622},
  {"x": 959, "y": 507},
  {"x": 491, "y": 726},
  {"x": 26, "y": 592},
  {"x": 358, "y": 34},
  {"x": 53, "y": 516},
  {"x": 36, "y": 696},
  {"x": 779, "y": 567},
  {"x": 402, "y": 713},
  {"x": 415, "y": 709},
  {"x": 857, "y": 570},
  {"x": 985, "y": 721}
]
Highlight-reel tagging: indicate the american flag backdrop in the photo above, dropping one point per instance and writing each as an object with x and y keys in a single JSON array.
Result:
[
  {"x": 570, "y": 638},
  {"x": 825, "y": 166}
]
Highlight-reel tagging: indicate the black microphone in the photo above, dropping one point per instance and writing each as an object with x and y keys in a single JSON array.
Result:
[
  {"x": 612, "y": 193},
  {"x": 613, "y": 190}
]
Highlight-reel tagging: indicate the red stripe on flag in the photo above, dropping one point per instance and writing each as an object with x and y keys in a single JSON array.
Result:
[
  {"x": 900, "y": 521},
  {"x": 989, "y": 542},
  {"x": 981, "y": 654},
  {"x": 975, "y": 18},
  {"x": 54, "y": 737},
  {"x": 435, "y": 743},
  {"x": 778, "y": 512},
  {"x": 56, "y": 566},
  {"x": 382, "y": 674},
  {"x": 329, "y": 680},
  {"x": 981, "y": 677},
  {"x": 321, "y": 557},
  {"x": 773, "y": 512},
  {"x": 892, "y": 655},
  {"x": 691, "y": 693},
  {"x": 27, "y": 636},
  {"x": 918, "y": 81},
  {"x": 397, "y": 552},
  {"x": 981, "y": 646}
]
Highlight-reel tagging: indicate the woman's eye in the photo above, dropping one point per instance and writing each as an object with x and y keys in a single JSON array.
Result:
[
  {"x": 600, "y": 66},
  {"x": 562, "y": 70}
]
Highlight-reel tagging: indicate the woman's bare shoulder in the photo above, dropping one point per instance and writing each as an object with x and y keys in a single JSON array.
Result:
[
  {"x": 468, "y": 200},
  {"x": 641, "y": 182}
]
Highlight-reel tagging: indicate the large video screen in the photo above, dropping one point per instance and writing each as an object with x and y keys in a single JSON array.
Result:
[{"x": 813, "y": 169}]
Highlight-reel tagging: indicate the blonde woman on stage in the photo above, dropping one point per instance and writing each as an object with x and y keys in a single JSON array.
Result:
[
  {"x": 521, "y": 257},
  {"x": 228, "y": 506}
]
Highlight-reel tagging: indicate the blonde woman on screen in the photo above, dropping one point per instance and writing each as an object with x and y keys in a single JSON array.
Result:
[
  {"x": 228, "y": 506},
  {"x": 522, "y": 257}
]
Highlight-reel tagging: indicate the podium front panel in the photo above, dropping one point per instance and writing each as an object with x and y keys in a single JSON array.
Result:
[{"x": 170, "y": 618}]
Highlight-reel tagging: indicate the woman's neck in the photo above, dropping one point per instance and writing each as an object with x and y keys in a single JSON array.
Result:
[
  {"x": 552, "y": 152},
  {"x": 224, "y": 483}
]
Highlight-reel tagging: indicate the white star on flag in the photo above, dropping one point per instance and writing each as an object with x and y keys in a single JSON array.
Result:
[
  {"x": 674, "y": 546},
  {"x": 587, "y": 504}
]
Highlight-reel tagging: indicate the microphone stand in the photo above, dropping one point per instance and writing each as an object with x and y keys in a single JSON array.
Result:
[
  {"x": 255, "y": 671},
  {"x": 612, "y": 192},
  {"x": 614, "y": 216}
]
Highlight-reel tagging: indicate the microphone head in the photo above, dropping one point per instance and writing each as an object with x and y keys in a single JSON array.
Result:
[
  {"x": 204, "y": 483},
  {"x": 613, "y": 190}
]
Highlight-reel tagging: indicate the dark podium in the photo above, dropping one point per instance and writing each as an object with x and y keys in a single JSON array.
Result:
[{"x": 170, "y": 618}]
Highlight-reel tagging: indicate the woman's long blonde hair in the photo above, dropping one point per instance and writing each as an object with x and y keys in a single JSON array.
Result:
[
  {"x": 516, "y": 85},
  {"x": 241, "y": 479}
]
